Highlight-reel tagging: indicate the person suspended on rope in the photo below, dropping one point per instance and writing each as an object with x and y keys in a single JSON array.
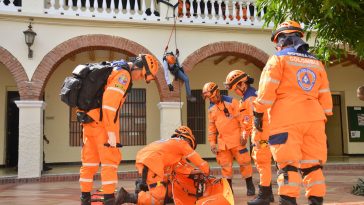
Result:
[{"x": 172, "y": 66}]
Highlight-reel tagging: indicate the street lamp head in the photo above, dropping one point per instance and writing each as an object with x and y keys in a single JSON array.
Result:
[{"x": 29, "y": 39}]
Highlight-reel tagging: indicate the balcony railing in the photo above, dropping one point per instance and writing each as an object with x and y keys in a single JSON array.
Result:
[{"x": 232, "y": 12}]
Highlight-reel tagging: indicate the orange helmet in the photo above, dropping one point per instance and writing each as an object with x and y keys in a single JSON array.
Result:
[
  {"x": 209, "y": 90},
  {"x": 170, "y": 58},
  {"x": 148, "y": 64},
  {"x": 234, "y": 78},
  {"x": 185, "y": 132},
  {"x": 287, "y": 27}
]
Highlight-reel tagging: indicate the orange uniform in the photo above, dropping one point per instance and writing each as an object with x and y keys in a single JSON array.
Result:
[
  {"x": 225, "y": 130},
  {"x": 95, "y": 135},
  {"x": 211, "y": 191},
  {"x": 295, "y": 87},
  {"x": 156, "y": 157},
  {"x": 261, "y": 154}
]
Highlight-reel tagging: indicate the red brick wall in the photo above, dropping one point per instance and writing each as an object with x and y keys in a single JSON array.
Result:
[
  {"x": 33, "y": 90},
  {"x": 16, "y": 70}
]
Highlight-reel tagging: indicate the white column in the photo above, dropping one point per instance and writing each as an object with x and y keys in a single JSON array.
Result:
[
  {"x": 170, "y": 113},
  {"x": 30, "y": 138}
]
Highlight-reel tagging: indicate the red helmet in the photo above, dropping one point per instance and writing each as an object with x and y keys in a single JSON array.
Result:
[
  {"x": 234, "y": 78},
  {"x": 287, "y": 27},
  {"x": 210, "y": 90},
  {"x": 185, "y": 132}
]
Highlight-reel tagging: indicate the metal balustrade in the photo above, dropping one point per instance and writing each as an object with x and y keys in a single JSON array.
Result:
[{"x": 227, "y": 12}]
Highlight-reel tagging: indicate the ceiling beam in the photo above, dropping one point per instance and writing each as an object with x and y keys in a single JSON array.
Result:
[
  {"x": 91, "y": 55},
  {"x": 111, "y": 55},
  {"x": 234, "y": 60},
  {"x": 220, "y": 59}
]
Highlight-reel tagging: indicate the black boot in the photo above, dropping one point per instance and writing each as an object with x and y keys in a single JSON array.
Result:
[
  {"x": 263, "y": 197},
  {"x": 124, "y": 197},
  {"x": 286, "y": 200},
  {"x": 231, "y": 184},
  {"x": 250, "y": 189},
  {"x": 109, "y": 199},
  {"x": 271, "y": 195},
  {"x": 315, "y": 200},
  {"x": 85, "y": 198}
]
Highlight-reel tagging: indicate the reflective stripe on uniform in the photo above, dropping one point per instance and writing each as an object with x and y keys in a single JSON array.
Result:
[
  {"x": 109, "y": 165},
  {"x": 109, "y": 182},
  {"x": 288, "y": 184},
  {"x": 328, "y": 110},
  {"x": 189, "y": 155},
  {"x": 212, "y": 133},
  {"x": 309, "y": 161},
  {"x": 109, "y": 108},
  {"x": 272, "y": 80},
  {"x": 86, "y": 180},
  {"x": 325, "y": 90},
  {"x": 90, "y": 164},
  {"x": 116, "y": 89},
  {"x": 315, "y": 183},
  {"x": 267, "y": 102},
  {"x": 203, "y": 163}
]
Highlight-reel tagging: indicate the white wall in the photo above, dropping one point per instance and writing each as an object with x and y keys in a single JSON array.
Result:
[{"x": 346, "y": 80}]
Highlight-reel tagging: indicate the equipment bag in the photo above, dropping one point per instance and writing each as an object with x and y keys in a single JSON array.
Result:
[{"x": 85, "y": 88}]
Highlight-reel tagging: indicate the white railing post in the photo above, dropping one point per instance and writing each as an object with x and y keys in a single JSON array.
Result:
[
  {"x": 206, "y": 11},
  {"x": 234, "y": 11},
  {"x": 128, "y": 8},
  {"x": 227, "y": 14},
  {"x": 88, "y": 10},
  {"x": 144, "y": 15},
  {"x": 78, "y": 10},
  {"x": 104, "y": 7},
  {"x": 213, "y": 11},
  {"x": 61, "y": 5}
]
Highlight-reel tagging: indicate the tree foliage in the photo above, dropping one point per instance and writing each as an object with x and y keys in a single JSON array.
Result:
[{"x": 338, "y": 24}]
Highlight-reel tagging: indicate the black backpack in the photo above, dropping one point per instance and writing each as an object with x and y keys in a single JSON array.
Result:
[{"x": 85, "y": 88}]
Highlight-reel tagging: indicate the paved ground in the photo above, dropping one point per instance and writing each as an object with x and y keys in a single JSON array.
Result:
[{"x": 339, "y": 183}]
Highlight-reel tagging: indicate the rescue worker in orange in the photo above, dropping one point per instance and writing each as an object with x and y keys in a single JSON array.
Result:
[
  {"x": 240, "y": 82},
  {"x": 225, "y": 135},
  {"x": 294, "y": 86},
  {"x": 190, "y": 186},
  {"x": 152, "y": 160},
  {"x": 101, "y": 135}
]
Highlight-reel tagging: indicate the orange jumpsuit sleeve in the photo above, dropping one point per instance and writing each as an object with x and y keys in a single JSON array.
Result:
[
  {"x": 113, "y": 99},
  {"x": 324, "y": 96},
  {"x": 248, "y": 115},
  {"x": 212, "y": 130},
  {"x": 196, "y": 159},
  {"x": 268, "y": 84}
]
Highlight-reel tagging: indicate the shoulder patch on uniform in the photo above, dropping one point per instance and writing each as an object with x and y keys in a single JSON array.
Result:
[
  {"x": 306, "y": 78},
  {"x": 123, "y": 79}
]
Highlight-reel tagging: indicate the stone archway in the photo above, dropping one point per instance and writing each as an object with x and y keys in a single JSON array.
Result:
[
  {"x": 249, "y": 52},
  {"x": 79, "y": 44},
  {"x": 17, "y": 71}
]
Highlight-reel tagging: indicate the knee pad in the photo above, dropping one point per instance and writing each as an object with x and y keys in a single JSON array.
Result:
[{"x": 306, "y": 171}]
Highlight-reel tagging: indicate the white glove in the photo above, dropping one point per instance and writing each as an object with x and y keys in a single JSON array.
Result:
[{"x": 112, "y": 139}]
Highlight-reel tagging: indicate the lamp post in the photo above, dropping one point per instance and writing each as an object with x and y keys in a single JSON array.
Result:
[{"x": 29, "y": 39}]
